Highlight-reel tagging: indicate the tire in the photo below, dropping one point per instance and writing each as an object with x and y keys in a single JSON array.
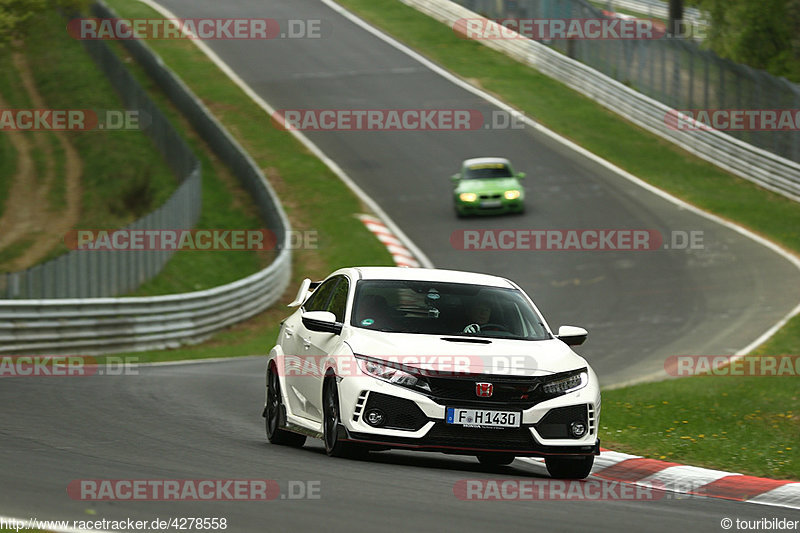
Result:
[
  {"x": 496, "y": 459},
  {"x": 330, "y": 424},
  {"x": 275, "y": 434},
  {"x": 567, "y": 467}
]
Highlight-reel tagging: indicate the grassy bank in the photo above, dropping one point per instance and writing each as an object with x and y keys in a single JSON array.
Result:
[{"x": 121, "y": 174}]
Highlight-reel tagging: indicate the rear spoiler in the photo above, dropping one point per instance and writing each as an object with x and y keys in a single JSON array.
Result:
[{"x": 305, "y": 290}]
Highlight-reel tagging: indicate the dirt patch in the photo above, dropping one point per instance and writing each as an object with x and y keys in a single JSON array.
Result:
[{"x": 28, "y": 214}]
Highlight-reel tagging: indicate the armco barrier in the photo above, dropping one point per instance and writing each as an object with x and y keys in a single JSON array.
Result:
[
  {"x": 749, "y": 162},
  {"x": 106, "y": 325}
]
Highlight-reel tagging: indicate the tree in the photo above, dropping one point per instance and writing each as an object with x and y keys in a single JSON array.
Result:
[{"x": 763, "y": 34}]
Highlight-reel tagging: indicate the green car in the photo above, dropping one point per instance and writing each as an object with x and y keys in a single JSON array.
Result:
[{"x": 488, "y": 185}]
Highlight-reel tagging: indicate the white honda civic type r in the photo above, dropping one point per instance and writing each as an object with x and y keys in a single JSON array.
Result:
[{"x": 431, "y": 360}]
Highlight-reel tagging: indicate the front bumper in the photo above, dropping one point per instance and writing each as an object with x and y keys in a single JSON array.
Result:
[
  {"x": 417, "y": 421},
  {"x": 484, "y": 208},
  {"x": 470, "y": 441}
]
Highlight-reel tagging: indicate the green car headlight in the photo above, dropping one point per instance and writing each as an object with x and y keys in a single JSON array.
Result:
[
  {"x": 512, "y": 195},
  {"x": 467, "y": 196}
]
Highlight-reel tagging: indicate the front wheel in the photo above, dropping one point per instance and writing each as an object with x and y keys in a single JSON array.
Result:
[
  {"x": 331, "y": 420},
  {"x": 568, "y": 467},
  {"x": 275, "y": 434}
]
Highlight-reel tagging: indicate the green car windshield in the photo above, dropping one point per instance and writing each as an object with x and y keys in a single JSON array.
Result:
[{"x": 487, "y": 171}]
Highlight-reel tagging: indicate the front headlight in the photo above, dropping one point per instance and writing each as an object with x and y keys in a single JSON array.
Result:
[
  {"x": 393, "y": 375},
  {"x": 512, "y": 195},
  {"x": 566, "y": 384},
  {"x": 467, "y": 196}
]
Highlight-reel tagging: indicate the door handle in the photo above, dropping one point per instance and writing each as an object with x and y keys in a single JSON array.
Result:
[
  {"x": 288, "y": 332},
  {"x": 306, "y": 342}
]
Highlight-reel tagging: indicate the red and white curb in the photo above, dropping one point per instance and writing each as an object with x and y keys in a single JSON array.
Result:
[
  {"x": 402, "y": 256},
  {"x": 674, "y": 477}
]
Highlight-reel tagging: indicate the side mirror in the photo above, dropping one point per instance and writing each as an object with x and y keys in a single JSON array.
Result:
[
  {"x": 455, "y": 178},
  {"x": 572, "y": 335},
  {"x": 520, "y": 175},
  {"x": 323, "y": 321}
]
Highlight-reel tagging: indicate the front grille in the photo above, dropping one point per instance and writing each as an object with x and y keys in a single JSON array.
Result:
[
  {"x": 555, "y": 424},
  {"x": 400, "y": 413},
  {"x": 452, "y": 435},
  {"x": 522, "y": 392},
  {"x": 489, "y": 196}
]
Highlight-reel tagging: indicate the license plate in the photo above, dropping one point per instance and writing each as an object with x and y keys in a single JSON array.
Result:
[
  {"x": 482, "y": 418},
  {"x": 491, "y": 203}
]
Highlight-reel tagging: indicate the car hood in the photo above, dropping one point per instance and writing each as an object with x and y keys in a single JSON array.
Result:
[
  {"x": 490, "y": 185},
  {"x": 450, "y": 353}
]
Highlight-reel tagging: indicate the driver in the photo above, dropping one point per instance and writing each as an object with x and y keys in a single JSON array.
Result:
[{"x": 478, "y": 315}]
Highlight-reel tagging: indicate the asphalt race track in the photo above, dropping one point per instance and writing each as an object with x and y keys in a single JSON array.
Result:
[{"x": 203, "y": 420}]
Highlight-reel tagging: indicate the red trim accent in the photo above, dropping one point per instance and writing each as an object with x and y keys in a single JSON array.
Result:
[
  {"x": 740, "y": 488},
  {"x": 633, "y": 469}
]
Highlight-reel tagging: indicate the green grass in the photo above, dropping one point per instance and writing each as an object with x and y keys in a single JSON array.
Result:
[
  {"x": 8, "y": 166},
  {"x": 740, "y": 424},
  {"x": 14, "y": 250},
  {"x": 14, "y": 97},
  {"x": 118, "y": 166},
  {"x": 225, "y": 206}
]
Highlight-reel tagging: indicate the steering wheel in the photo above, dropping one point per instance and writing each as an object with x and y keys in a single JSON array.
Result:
[{"x": 475, "y": 328}]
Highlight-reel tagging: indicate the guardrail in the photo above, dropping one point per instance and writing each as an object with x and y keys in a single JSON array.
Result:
[
  {"x": 105, "y": 325},
  {"x": 768, "y": 170}
]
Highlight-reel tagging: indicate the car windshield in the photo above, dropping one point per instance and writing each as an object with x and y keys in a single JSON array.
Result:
[
  {"x": 487, "y": 171},
  {"x": 437, "y": 308}
]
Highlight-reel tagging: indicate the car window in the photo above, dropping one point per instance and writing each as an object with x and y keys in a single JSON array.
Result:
[
  {"x": 487, "y": 171},
  {"x": 441, "y": 308},
  {"x": 338, "y": 302},
  {"x": 318, "y": 301}
]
